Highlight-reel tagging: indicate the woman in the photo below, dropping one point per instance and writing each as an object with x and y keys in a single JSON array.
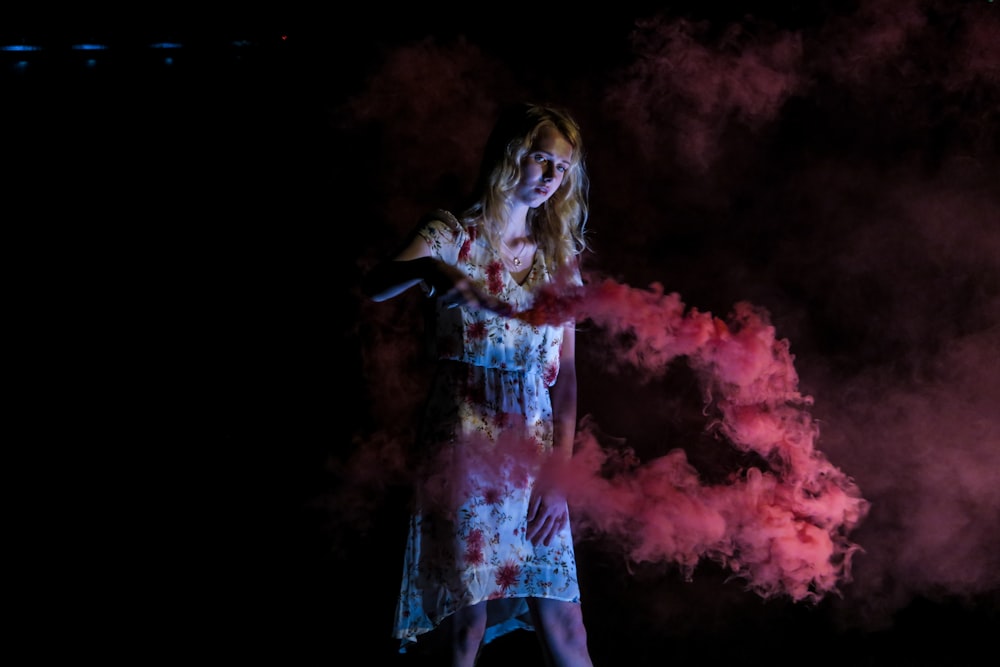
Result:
[{"x": 490, "y": 548}]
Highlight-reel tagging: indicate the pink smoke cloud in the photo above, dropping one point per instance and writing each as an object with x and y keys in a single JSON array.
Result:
[
  {"x": 784, "y": 528},
  {"x": 684, "y": 90}
]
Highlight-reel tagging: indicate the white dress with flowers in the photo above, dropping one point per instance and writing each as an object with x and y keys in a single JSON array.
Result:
[{"x": 487, "y": 426}]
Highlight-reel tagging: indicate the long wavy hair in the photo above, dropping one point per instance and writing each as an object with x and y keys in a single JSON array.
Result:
[{"x": 559, "y": 225}]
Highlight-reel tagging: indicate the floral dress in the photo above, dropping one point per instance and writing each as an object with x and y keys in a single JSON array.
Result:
[{"x": 486, "y": 429}]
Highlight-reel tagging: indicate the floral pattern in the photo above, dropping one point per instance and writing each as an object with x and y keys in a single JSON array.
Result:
[{"x": 487, "y": 427}]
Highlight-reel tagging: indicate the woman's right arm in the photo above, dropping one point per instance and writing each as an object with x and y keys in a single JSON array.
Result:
[
  {"x": 411, "y": 266},
  {"x": 415, "y": 265}
]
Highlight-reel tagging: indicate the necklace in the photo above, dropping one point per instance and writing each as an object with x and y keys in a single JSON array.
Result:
[{"x": 516, "y": 259}]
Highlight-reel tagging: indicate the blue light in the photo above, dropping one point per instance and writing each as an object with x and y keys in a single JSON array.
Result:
[{"x": 20, "y": 47}]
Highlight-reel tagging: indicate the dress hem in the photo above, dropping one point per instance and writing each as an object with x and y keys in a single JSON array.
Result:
[{"x": 493, "y": 630}]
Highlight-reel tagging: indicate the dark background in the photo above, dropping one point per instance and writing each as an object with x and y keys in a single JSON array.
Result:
[{"x": 215, "y": 418}]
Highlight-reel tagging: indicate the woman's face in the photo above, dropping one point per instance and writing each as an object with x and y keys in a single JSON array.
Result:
[{"x": 543, "y": 168}]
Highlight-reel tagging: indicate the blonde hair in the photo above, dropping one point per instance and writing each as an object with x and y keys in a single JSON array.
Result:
[{"x": 559, "y": 225}]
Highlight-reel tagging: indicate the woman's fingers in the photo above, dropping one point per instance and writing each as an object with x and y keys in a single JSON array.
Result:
[
  {"x": 544, "y": 524},
  {"x": 463, "y": 293}
]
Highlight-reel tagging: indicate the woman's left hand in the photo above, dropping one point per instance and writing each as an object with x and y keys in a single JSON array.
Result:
[{"x": 547, "y": 515}]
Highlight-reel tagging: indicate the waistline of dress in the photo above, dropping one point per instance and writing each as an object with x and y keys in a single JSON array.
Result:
[{"x": 521, "y": 370}]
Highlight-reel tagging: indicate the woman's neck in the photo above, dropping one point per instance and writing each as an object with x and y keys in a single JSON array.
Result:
[{"x": 516, "y": 224}]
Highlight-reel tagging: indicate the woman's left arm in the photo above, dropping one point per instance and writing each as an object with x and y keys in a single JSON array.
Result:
[
  {"x": 563, "y": 394},
  {"x": 547, "y": 510}
]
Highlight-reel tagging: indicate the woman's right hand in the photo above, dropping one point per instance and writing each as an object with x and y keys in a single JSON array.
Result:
[{"x": 453, "y": 288}]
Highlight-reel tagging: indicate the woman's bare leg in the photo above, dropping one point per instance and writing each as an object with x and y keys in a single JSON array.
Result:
[
  {"x": 560, "y": 629},
  {"x": 466, "y": 628}
]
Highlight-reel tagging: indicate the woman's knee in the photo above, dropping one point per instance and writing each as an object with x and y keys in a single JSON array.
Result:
[
  {"x": 563, "y": 621},
  {"x": 468, "y": 625}
]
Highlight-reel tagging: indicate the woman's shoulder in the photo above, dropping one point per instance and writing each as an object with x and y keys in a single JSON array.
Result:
[
  {"x": 441, "y": 229},
  {"x": 440, "y": 215}
]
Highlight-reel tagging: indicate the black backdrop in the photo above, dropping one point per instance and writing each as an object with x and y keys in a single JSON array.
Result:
[{"x": 185, "y": 244}]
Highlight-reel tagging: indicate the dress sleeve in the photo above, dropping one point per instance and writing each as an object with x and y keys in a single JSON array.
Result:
[{"x": 443, "y": 233}]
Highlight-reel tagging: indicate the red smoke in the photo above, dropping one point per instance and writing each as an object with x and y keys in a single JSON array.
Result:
[{"x": 783, "y": 528}]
